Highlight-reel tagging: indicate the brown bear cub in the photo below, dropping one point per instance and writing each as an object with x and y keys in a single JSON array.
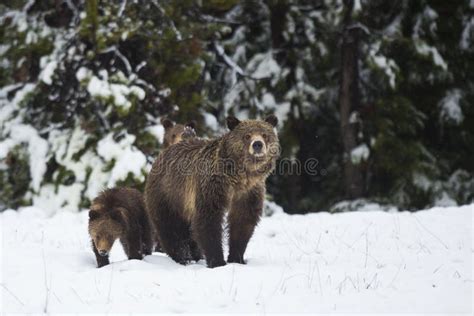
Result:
[
  {"x": 193, "y": 183},
  {"x": 174, "y": 133},
  {"x": 119, "y": 213}
]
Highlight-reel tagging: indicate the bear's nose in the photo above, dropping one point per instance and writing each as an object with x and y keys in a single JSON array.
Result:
[
  {"x": 103, "y": 253},
  {"x": 257, "y": 146}
]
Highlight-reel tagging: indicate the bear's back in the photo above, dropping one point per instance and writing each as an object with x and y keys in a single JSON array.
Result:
[
  {"x": 178, "y": 171},
  {"x": 177, "y": 159},
  {"x": 127, "y": 198}
]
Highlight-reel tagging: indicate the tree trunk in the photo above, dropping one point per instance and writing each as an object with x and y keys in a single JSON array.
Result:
[
  {"x": 349, "y": 102},
  {"x": 278, "y": 11}
]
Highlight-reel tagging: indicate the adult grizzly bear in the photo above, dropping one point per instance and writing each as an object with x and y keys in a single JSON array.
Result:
[
  {"x": 193, "y": 183},
  {"x": 119, "y": 213},
  {"x": 174, "y": 133}
]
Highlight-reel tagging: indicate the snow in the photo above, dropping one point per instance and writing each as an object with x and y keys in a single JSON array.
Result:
[
  {"x": 14, "y": 133},
  {"x": 445, "y": 200},
  {"x": 83, "y": 73},
  {"x": 393, "y": 28},
  {"x": 37, "y": 151},
  {"x": 270, "y": 208},
  {"x": 282, "y": 110},
  {"x": 127, "y": 158},
  {"x": 358, "y": 262},
  {"x": 386, "y": 64},
  {"x": 430, "y": 14},
  {"x": 165, "y": 92},
  {"x": 426, "y": 50},
  {"x": 61, "y": 198},
  {"x": 354, "y": 118},
  {"x": 466, "y": 37},
  {"x": 310, "y": 31},
  {"x": 450, "y": 107},
  {"x": 211, "y": 121},
  {"x": 265, "y": 66},
  {"x": 120, "y": 93},
  {"x": 158, "y": 131},
  {"x": 47, "y": 73},
  {"x": 357, "y": 6},
  {"x": 361, "y": 205},
  {"x": 97, "y": 87},
  {"x": 360, "y": 153},
  {"x": 113, "y": 162},
  {"x": 268, "y": 103},
  {"x": 221, "y": 52},
  {"x": 8, "y": 108},
  {"x": 422, "y": 182}
]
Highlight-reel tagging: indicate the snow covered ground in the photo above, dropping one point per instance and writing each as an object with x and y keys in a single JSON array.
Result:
[{"x": 353, "y": 262}]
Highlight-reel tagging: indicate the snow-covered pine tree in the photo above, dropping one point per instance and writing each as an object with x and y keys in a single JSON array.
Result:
[
  {"x": 84, "y": 82},
  {"x": 414, "y": 90},
  {"x": 285, "y": 56},
  {"x": 83, "y": 85}
]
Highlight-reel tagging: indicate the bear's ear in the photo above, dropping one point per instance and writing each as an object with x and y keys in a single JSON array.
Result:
[
  {"x": 232, "y": 122},
  {"x": 93, "y": 215},
  {"x": 167, "y": 124},
  {"x": 191, "y": 124},
  {"x": 272, "y": 120}
]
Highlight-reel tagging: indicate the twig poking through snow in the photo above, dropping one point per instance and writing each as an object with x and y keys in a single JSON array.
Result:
[
  {"x": 110, "y": 284},
  {"x": 366, "y": 246},
  {"x": 429, "y": 232},
  {"x": 77, "y": 294},
  {"x": 46, "y": 303},
  {"x": 319, "y": 279},
  {"x": 13, "y": 295},
  {"x": 232, "y": 280},
  {"x": 396, "y": 275},
  {"x": 374, "y": 280}
]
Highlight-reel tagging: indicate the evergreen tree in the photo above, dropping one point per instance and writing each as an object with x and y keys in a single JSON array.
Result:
[{"x": 373, "y": 97}]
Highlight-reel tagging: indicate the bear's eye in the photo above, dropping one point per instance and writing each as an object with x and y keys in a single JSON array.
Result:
[
  {"x": 174, "y": 135},
  {"x": 265, "y": 136},
  {"x": 247, "y": 136}
]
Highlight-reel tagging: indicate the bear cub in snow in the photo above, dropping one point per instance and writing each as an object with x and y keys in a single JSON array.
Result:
[
  {"x": 174, "y": 133},
  {"x": 119, "y": 213}
]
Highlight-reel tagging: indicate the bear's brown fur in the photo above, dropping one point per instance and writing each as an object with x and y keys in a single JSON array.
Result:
[
  {"x": 193, "y": 183},
  {"x": 119, "y": 213},
  {"x": 174, "y": 133}
]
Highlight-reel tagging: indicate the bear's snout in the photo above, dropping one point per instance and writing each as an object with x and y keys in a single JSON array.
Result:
[
  {"x": 257, "y": 146},
  {"x": 103, "y": 253}
]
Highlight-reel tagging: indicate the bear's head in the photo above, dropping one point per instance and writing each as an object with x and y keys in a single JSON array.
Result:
[
  {"x": 106, "y": 226},
  {"x": 174, "y": 133},
  {"x": 253, "y": 144}
]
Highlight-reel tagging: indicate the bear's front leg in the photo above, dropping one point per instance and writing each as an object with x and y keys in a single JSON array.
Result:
[
  {"x": 147, "y": 239},
  {"x": 101, "y": 260},
  {"x": 244, "y": 214},
  {"x": 133, "y": 246},
  {"x": 207, "y": 231}
]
